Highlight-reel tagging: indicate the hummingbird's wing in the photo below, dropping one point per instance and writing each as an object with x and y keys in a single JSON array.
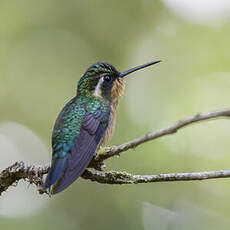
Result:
[{"x": 85, "y": 145}]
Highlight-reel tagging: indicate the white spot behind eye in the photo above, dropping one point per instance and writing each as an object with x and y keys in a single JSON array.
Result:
[{"x": 97, "y": 91}]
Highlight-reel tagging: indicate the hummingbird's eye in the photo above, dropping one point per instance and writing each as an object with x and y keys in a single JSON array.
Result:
[{"x": 107, "y": 78}]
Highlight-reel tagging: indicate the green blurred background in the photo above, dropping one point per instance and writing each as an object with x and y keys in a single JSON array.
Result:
[{"x": 45, "y": 47}]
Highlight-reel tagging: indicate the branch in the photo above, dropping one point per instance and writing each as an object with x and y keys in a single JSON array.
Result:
[
  {"x": 114, "y": 177},
  {"x": 116, "y": 150},
  {"x": 34, "y": 174}
]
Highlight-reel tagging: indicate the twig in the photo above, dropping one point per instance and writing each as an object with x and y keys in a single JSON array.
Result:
[
  {"x": 34, "y": 174},
  {"x": 116, "y": 150},
  {"x": 114, "y": 177}
]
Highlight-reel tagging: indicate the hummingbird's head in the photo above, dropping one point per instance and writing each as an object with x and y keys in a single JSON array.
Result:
[
  {"x": 98, "y": 80},
  {"x": 102, "y": 80}
]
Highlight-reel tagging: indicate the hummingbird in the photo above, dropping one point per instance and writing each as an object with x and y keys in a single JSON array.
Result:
[{"x": 85, "y": 123}]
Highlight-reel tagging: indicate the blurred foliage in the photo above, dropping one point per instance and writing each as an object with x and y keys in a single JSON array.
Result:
[{"x": 45, "y": 47}]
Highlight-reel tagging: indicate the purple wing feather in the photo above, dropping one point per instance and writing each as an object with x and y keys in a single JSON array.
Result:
[{"x": 80, "y": 155}]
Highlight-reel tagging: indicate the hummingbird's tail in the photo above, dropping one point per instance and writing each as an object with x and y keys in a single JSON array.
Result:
[{"x": 56, "y": 171}]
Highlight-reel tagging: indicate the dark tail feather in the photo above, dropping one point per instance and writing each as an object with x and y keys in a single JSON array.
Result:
[
  {"x": 56, "y": 171},
  {"x": 71, "y": 175}
]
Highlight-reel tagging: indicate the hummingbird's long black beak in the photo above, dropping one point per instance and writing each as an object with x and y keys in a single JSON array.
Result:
[{"x": 122, "y": 74}]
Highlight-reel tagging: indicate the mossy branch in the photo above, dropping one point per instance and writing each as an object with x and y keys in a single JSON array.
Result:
[{"x": 34, "y": 174}]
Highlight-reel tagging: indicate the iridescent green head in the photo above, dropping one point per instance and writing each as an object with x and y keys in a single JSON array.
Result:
[{"x": 100, "y": 78}]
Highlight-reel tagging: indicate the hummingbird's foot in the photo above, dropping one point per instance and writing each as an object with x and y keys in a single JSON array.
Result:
[
  {"x": 97, "y": 164},
  {"x": 100, "y": 166}
]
